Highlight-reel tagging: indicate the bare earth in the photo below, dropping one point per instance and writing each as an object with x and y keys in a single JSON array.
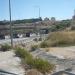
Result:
[
  {"x": 63, "y": 52},
  {"x": 10, "y": 63}
]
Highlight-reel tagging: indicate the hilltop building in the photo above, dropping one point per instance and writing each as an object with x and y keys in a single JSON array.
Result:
[
  {"x": 53, "y": 19},
  {"x": 46, "y": 19}
]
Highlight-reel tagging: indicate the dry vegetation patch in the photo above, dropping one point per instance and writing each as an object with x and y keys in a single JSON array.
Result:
[
  {"x": 63, "y": 38},
  {"x": 41, "y": 65}
]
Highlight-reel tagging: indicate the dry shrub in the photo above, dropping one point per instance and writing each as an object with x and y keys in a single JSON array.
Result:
[
  {"x": 41, "y": 65},
  {"x": 5, "y": 47},
  {"x": 63, "y": 38},
  {"x": 34, "y": 72},
  {"x": 34, "y": 47},
  {"x": 47, "y": 49}
]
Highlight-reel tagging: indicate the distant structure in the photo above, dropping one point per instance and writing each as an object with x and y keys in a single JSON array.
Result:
[
  {"x": 73, "y": 16},
  {"x": 73, "y": 20},
  {"x": 46, "y": 19},
  {"x": 53, "y": 19}
]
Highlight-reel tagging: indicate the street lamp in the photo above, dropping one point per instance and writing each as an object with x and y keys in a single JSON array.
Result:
[{"x": 11, "y": 31}]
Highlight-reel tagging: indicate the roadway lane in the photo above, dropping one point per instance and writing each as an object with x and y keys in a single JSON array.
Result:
[
  {"x": 22, "y": 40},
  {"x": 16, "y": 40}
]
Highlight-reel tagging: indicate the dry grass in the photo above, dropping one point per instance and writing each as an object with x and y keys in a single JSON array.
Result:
[
  {"x": 47, "y": 49},
  {"x": 34, "y": 72},
  {"x": 63, "y": 38}
]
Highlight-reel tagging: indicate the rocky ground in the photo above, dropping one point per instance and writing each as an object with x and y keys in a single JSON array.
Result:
[
  {"x": 10, "y": 63},
  {"x": 62, "y": 57},
  {"x": 62, "y": 64},
  {"x": 63, "y": 52}
]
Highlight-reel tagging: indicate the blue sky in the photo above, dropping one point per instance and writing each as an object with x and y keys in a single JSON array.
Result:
[{"x": 24, "y": 9}]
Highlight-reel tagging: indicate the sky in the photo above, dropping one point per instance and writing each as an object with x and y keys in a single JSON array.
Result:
[{"x": 26, "y": 9}]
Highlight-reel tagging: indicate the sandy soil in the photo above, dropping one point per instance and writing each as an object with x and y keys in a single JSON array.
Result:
[
  {"x": 10, "y": 63},
  {"x": 63, "y": 52}
]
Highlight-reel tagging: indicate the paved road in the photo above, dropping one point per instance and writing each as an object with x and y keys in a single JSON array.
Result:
[
  {"x": 21, "y": 40},
  {"x": 17, "y": 40}
]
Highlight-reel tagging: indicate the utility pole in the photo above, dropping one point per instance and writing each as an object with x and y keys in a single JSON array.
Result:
[
  {"x": 11, "y": 31},
  {"x": 74, "y": 12},
  {"x": 39, "y": 12},
  {"x": 40, "y": 26}
]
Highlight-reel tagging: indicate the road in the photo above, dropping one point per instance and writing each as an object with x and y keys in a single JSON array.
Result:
[
  {"x": 22, "y": 40},
  {"x": 17, "y": 40}
]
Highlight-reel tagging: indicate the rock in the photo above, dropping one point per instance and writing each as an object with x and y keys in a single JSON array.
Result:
[{"x": 10, "y": 63}]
